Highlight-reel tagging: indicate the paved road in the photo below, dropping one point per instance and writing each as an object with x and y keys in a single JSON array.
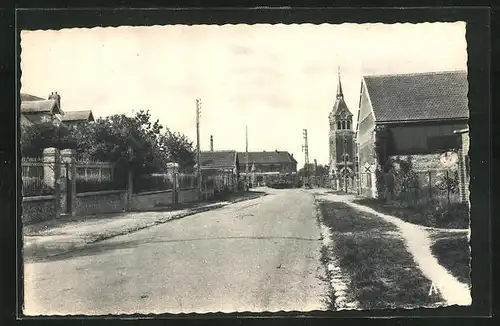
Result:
[{"x": 258, "y": 255}]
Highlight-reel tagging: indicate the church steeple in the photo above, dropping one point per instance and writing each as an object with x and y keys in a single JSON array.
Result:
[{"x": 340, "y": 94}]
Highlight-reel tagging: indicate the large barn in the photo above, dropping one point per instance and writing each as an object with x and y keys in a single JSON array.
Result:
[{"x": 409, "y": 114}]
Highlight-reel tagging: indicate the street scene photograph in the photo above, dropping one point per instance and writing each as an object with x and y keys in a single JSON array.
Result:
[{"x": 244, "y": 168}]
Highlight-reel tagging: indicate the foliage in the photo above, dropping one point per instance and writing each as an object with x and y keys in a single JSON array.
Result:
[
  {"x": 319, "y": 170},
  {"x": 95, "y": 184},
  {"x": 135, "y": 143},
  {"x": 36, "y": 137},
  {"x": 146, "y": 183},
  {"x": 433, "y": 214}
]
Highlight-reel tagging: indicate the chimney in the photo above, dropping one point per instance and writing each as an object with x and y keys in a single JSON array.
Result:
[
  {"x": 211, "y": 143},
  {"x": 58, "y": 99}
]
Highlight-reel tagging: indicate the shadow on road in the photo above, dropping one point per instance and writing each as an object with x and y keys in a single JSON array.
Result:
[{"x": 104, "y": 247}]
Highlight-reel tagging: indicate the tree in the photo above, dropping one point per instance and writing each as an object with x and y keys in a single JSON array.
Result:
[
  {"x": 35, "y": 138},
  {"x": 135, "y": 143}
]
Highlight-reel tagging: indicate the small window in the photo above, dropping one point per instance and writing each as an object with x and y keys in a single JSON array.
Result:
[
  {"x": 343, "y": 125},
  {"x": 348, "y": 124},
  {"x": 339, "y": 125}
]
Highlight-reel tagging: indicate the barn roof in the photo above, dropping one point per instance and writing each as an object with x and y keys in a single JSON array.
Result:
[
  {"x": 74, "y": 116},
  {"x": 421, "y": 96},
  {"x": 217, "y": 159},
  {"x": 40, "y": 106},
  {"x": 275, "y": 157}
]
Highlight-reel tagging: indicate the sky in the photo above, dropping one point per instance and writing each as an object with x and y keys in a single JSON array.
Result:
[{"x": 275, "y": 79}]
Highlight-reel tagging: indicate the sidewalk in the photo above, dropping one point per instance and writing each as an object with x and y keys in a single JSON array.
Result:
[
  {"x": 52, "y": 238},
  {"x": 418, "y": 244}
]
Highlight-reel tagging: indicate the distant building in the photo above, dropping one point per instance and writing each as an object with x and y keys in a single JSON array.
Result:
[
  {"x": 409, "y": 114},
  {"x": 265, "y": 167},
  {"x": 221, "y": 167},
  {"x": 72, "y": 118},
  {"x": 342, "y": 146},
  {"x": 35, "y": 110}
]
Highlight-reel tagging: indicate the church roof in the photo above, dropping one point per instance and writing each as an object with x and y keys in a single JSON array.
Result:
[
  {"x": 340, "y": 104},
  {"x": 420, "y": 96}
]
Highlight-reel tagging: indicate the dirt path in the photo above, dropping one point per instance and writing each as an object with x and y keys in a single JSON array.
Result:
[{"x": 419, "y": 245}]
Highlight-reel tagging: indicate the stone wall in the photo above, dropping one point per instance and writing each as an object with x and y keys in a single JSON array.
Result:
[
  {"x": 151, "y": 199},
  {"x": 38, "y": 209},
  {"x": 188, "y": 195},
  {"x": 100, "y": 202}
]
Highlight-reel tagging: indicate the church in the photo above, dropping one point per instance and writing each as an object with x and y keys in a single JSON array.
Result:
[{"x": 342, "y": 144}]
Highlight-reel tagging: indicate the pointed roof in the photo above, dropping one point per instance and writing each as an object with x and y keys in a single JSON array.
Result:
[
  {"x": 340, "y": 104},
  {"x": 339, "y": 86}
]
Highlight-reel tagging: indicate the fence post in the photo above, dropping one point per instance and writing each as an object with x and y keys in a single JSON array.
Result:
[
  {"x": 448, "y": 187},
  {"x": 52, "y": 175},
  {"x": 130, "y": 190},
  {"x": 430, "y": 186},
  {"x": 175, "y": 189},
  {"x": 68, "y": 159}
]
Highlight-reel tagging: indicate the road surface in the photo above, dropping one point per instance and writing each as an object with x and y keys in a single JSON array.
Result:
[{"x": 257, "y": 255}]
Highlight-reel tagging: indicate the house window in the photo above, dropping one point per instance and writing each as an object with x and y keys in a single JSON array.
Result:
[
  {"x": 348, "y": 124},
  {"x": 343, "y": 125},
  {"x": 339, "y": 126}
]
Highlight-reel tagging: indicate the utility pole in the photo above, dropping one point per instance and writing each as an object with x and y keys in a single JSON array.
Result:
[
  {"x": 198, "y": 113},
  {"x": 305, "y": 149},
  {"x": 247, "y": 176}
]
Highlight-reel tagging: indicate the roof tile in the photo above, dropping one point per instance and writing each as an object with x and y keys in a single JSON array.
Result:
[{"x": 422, "y": 96}]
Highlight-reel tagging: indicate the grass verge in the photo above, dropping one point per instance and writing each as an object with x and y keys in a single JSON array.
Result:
[
  {"x": 382, "y": 273},
  {"x": 453, "y": 253},
  {"x": 453, "y": 216}
]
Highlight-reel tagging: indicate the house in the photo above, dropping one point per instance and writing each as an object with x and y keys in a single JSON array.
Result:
[
  {"x": 342, "y": 143},
  {"x": 265, "y": 167},
  {"x": 408, "y": 114},
  {"x": 73, "y": 118},
  {"x": 221, "y": 167},
  {"x": 35, "y": 110}
]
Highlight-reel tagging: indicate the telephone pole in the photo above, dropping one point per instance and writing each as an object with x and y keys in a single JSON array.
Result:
[
  {"x": 246, "y": 154},
  {"x": 198, "y": 113},
  {"x": 305, "y": 148}
]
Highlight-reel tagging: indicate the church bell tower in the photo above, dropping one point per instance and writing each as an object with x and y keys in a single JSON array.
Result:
[{"x": 341, "y": 141}]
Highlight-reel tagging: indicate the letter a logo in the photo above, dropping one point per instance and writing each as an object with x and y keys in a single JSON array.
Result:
[{"x": 433, "y": 289}]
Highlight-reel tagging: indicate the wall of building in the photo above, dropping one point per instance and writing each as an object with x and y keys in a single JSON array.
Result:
[
  {"x": 38, "y": 209},
  {"x": 414, "y": 139}
]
